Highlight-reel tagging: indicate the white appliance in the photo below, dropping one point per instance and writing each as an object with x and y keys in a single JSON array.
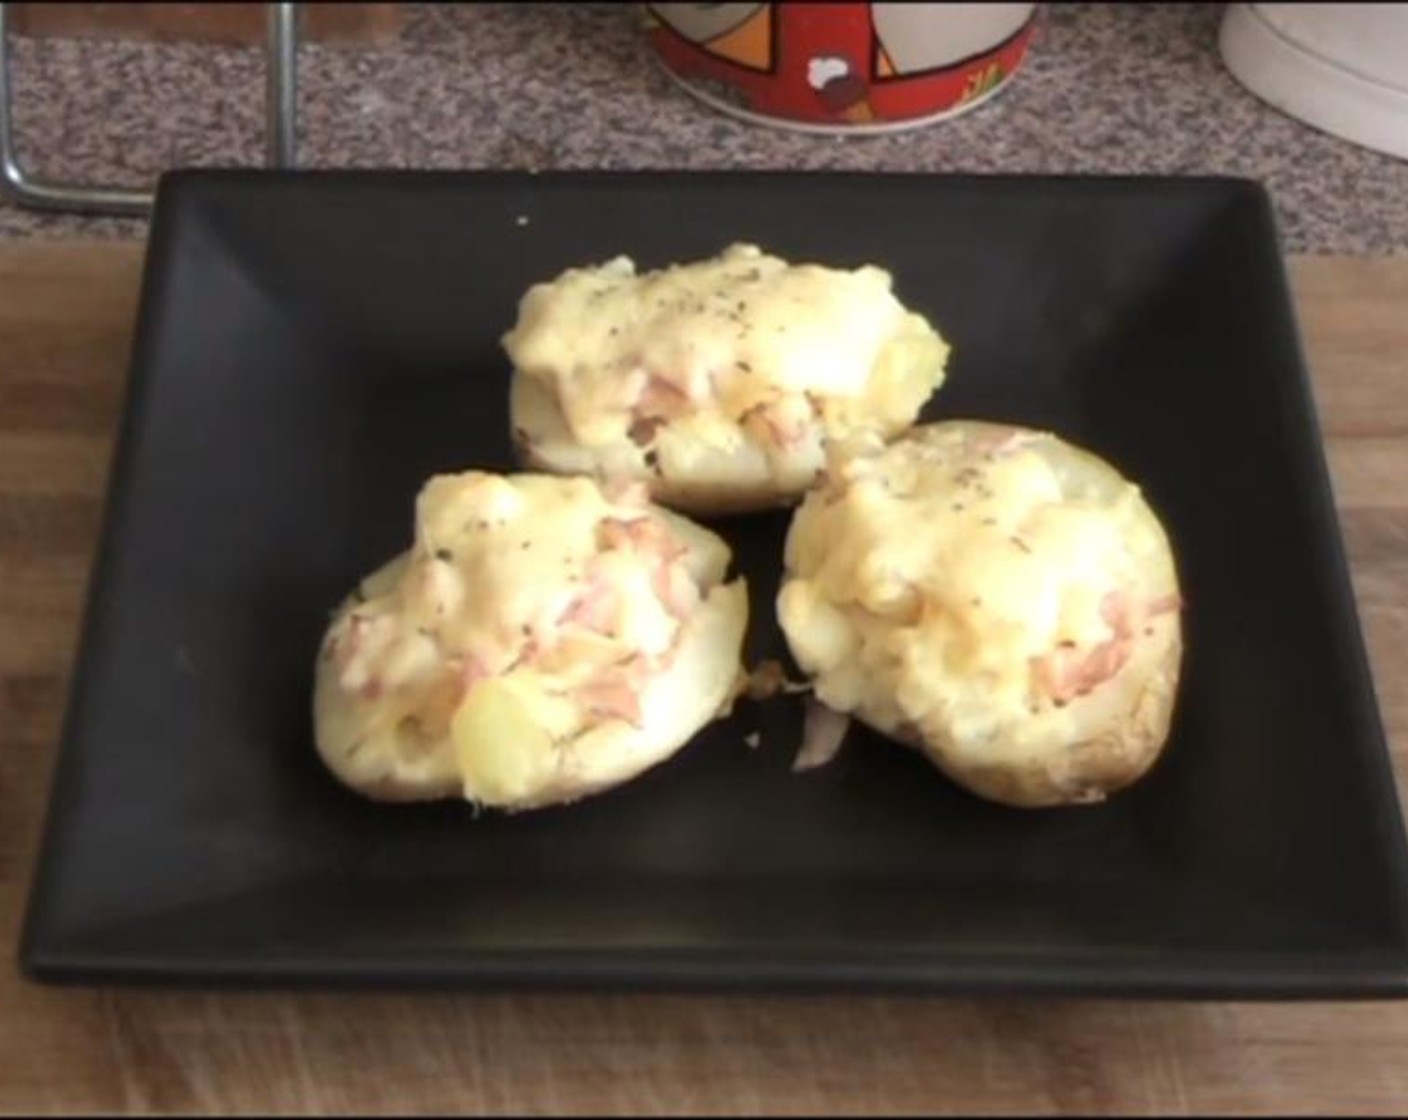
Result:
[{"x": 1342, "y": 68}]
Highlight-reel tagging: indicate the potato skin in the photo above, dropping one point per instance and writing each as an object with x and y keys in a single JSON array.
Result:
[
  {"x": 1110, "y": 758},
  {"x": 1122, "y": 726}
]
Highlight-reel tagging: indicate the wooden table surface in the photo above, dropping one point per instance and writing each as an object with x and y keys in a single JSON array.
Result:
[{"x": 66, "y": 311}]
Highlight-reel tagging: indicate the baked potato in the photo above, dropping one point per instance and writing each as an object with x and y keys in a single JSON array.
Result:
[
  {"x": 543, "y": 639},
  {"x": 716, "y": 383},
  {"x": 1000, "y": 599}
]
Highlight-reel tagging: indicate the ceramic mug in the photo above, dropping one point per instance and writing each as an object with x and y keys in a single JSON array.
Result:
[{"x": 841, "y": 67}]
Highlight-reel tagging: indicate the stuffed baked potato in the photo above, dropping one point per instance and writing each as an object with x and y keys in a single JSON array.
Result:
[
  {"x": 542, "y": 640},
  {"x": 1004, "y": 601},
  {"x": 716, "y": 383}
]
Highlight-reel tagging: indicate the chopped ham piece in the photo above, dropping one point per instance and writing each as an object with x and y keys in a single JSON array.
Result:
[
  {"x": 626, "y": 491},
  {"x": 642, "y": 431},
  {"x": 642, "y": 533},
  {"x": 676, "y": 589},
  {"x": 1166, "y": 604},
  {"x": 594, "y": 608},
  {"x": 661, "y": 398},
  {"x": 776, "y": 423},
  {"x": 1068, "y": 672},
  {"x": 999, "y": 444},
  {"x": 472, "y": 672},
  {"x": 615, "y": 692}
]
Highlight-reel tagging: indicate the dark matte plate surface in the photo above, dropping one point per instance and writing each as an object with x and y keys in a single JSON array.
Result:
[{"x": 311, "y": 347}]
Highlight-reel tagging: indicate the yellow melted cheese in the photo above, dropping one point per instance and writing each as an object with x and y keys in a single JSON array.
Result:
[
  {"x": 924, "y": 578},
  {"x": 729, "y": 333},
  {"x": 497, "y": 560}
]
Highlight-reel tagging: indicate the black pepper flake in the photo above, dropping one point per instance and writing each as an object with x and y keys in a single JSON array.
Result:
[
  {"x": 1148, "y": 631},
  {"x": 1023, "y": 545},
  {"x": 614, "y": 330},
  {"x": 989, "y": 520},
  {"x": 525, "y": 545},
  {"x": 444, "y": 554},
  {"x": 482, "y": 525},
  {"x": 744, "y": 366},
  {"x": 958, "y": 505}
]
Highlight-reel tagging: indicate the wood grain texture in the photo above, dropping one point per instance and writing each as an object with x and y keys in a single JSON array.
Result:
[{"x": 65, "y": 316}]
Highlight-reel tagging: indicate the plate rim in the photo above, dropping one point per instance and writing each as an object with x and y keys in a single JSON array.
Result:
[{"x": 1380, "y": 974}]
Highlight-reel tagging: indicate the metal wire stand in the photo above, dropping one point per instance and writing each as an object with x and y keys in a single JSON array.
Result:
[{"x": 281, "y": 122}]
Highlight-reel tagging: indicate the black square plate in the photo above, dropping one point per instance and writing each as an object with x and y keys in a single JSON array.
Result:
[{"x": 312, "y": 346}]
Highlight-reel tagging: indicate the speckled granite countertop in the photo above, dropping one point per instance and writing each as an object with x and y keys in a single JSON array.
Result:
[{"x": 1106, "y": 88}]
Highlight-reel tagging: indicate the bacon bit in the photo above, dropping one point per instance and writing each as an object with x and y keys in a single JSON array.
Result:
[
  {"x": 617, "y": 532},
  {"x": 643, "y": 533},
  {"x": 661, "y": 398},
  {"x": 1166, "y": 604},
  {"x": 626, "y": 491},
  {"x": 642, "y": 430},
  {"x": 615, "y": 694},
  {"x": 1114, "y": 609},
  {"x": 1001, "y": 444},
  {"x": 474, "y": 671},
  {"x": 676, "y": 589},
  {"x": 354, "y": 635},
  {"x": 1066, "y": 673},
  {"x": 769, "y": 424},
  {"x": 594, "y": 608}
]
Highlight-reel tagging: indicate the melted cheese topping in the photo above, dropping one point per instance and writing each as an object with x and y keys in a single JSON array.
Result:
[
  {"x": 529, "y": 609},
  {"x": 929, "y": 581},
  {"x": 741, "y": 343}
]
